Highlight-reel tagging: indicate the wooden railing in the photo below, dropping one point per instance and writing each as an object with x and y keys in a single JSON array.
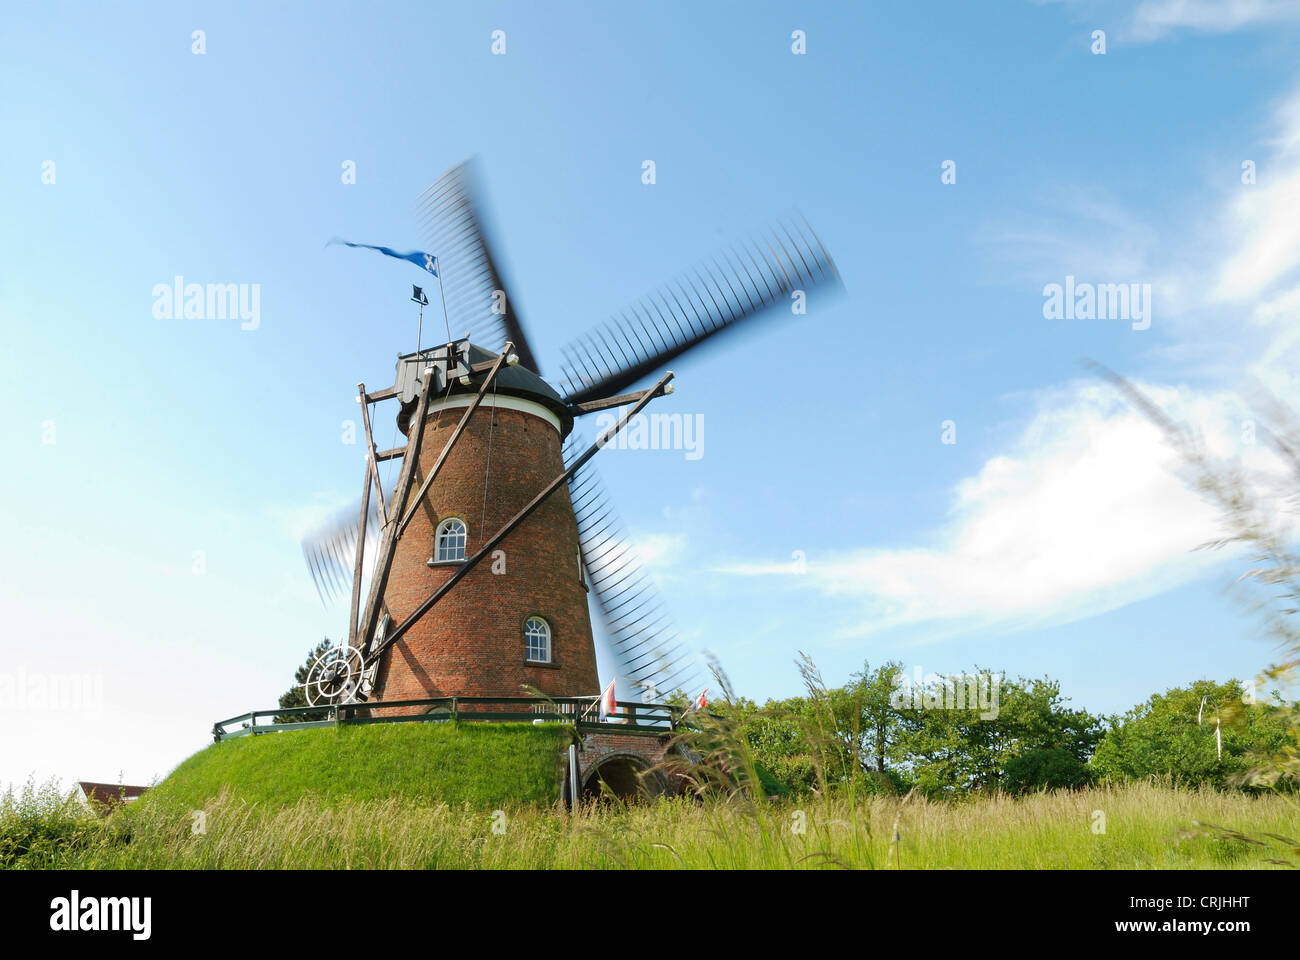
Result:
[{"x": 582, "y": 712}]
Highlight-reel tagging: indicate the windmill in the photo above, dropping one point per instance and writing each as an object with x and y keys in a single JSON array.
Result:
[{"x": 497, "y": 528}]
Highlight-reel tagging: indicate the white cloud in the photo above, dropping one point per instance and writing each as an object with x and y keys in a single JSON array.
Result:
[
  {"x": 1154, "y": 19},
  {"x": 1285, "y": 305},
  {"x": 1266, "y": 218},
  {"x": 659, "y": 550},
  {"x": 1262, "y": 225},
  {"x": 1086, "y": 514}
]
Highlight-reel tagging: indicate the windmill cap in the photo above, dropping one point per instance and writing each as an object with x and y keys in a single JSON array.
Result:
[{"x": 515, "y": 381}]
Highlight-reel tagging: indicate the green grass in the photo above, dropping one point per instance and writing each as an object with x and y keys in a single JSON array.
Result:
[
  {"x": 482, "y": 764},
  {"x": 447, "y": 796},
  {"x": 1148, "y": 826}
]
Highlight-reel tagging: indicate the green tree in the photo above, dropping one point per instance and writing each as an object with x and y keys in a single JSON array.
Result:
[
  {"x": 295, "y": 696},
  {"x": 951, "y": 749},
  {"x": 792, "y": 743},
  {"x": 930, "y": 747},
  {"x": 831, "y": 719},
  {"x": 1033, "y": 719},
  {"x": 866, "y": 734},
  {"x": 865, "y": 717},
  {"x": 1173, "y": 734},
  {"x": 777, "y": 735}
]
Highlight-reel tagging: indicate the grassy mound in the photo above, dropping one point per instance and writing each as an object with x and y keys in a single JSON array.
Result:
[{"x": 475, "y": 763}]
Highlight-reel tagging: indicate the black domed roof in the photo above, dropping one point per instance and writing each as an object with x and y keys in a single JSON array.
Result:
[{"x": 517, "y": 381}]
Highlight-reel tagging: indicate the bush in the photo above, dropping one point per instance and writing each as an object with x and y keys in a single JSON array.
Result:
[
  {"x": 1050, "y": 769},
  {"x": 40, "y": 825},
  {"x": 789, "y": 775}
]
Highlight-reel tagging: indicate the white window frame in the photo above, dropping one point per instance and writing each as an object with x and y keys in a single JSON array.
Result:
[
  {"x": 443, "y": 533},
  {"x": 532, "y": 636}
]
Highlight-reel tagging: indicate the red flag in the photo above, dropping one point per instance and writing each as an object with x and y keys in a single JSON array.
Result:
[{"x": 607, "y": 704}]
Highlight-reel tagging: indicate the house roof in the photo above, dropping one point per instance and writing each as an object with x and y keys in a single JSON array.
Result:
[{"x": 109, "y": 794}]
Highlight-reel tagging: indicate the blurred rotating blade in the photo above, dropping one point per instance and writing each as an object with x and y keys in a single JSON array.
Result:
[
  {"x": 450, "y": 216},
  {"x": 331, "y": 549},
  {"x": 641, "y": 634},
  {"x": 756, "y": 275}
]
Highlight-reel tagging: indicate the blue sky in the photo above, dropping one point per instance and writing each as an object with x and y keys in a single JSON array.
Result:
[{"x": 1051, "y": 538}]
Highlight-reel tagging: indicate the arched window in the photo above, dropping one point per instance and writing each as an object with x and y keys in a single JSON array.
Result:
[
  {"x": 537, "y": 634},
  {"x": 450, "y": 540}
]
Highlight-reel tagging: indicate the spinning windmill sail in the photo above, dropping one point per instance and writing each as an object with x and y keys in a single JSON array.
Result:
[
  {"x": 644, "y": 642},
  {"x": 330, "y": 550},
  {"x": 477, "y": 298},
  {"x": 738, "y": 283}
]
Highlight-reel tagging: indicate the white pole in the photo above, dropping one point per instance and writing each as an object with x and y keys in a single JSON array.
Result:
[{"x": 573, "y": 776}]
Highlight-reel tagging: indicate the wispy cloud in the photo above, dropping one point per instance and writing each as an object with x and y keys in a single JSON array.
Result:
[
  {"x": 659, "y": 551},
  {"x": 1154, "y": 19},
  {"x": 1262, "y": 226},
  {"x": 1105, "y": 238},
  {"x": 1086, "y": 514}
]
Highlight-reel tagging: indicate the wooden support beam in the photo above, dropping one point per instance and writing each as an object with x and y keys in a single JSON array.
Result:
[
  {"x": 463, "y": 570},
  {"x": 455, "y": 435},
  {"x": 591, "y": 406},
  {"x": 388, "y": 541},
  {"x": 361, "y": 541},
  {"x": 392, "y": 454},
  {"x": 387, "y": 394},
  {"x": 477, "y": 368},
  {"x": 372, "y": 462}
]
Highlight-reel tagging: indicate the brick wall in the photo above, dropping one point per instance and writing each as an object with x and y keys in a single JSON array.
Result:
[{"x": 472, "y": 642}]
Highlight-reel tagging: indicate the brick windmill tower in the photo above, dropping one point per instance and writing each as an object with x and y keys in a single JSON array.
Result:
[
  {"x": 497, "y": 531},
  {"x": 528, "y": 597}
]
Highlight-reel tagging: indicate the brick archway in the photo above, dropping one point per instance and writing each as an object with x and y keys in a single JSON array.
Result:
[
  {"x": 627, "y": 775},
  {"x": 625, "y": 759}
]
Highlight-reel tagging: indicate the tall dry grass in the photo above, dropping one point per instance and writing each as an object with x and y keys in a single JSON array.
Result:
[{"x": 1142, "y": 825}]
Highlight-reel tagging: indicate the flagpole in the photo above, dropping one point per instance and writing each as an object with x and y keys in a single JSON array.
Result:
[{"x": 442, "y": 294}]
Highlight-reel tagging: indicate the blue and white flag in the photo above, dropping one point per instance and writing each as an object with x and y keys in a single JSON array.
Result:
[{"x": 425, "y": 261}]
